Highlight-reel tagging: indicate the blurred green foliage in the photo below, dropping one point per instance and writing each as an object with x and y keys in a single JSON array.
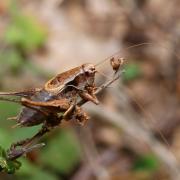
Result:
[
  {"x": 31, "y": 171},
  {"x": 132, "y": 71},
  {"x": 60, "y": 155},
  {"x": 64, "y": 151},
  {"x": 148, "y": 162},
  {"x": 25, "y": 33},
  {"x": 7, "y": 165}
]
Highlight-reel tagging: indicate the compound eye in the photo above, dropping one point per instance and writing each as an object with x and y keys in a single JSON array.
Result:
[{"x": 93, "y": 69}]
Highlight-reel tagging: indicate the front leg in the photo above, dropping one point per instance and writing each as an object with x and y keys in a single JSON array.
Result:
[{"x": 89, "y": 95}]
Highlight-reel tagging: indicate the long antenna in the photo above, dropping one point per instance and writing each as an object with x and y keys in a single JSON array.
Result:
[
  {"x": 134, "y": 46},
  {"x": 130, "y": 47}
]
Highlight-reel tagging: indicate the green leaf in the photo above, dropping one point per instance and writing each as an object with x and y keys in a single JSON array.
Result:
[
  {"x": 147, "y": 162},
  {"x": 62, "y": 153}
]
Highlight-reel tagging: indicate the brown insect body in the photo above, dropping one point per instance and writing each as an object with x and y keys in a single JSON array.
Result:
[
  {"x": 64, "y": 87},
  {"x": 57, "y": 83},
  {"x": 59, "y": 96},
  {"x": 29, "y": 116}
]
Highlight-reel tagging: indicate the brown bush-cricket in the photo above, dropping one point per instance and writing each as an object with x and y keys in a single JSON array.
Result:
[{"x": 59, "y": 99}]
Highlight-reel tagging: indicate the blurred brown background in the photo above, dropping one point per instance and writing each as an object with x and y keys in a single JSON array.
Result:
[{"x": 134, "y": 133}]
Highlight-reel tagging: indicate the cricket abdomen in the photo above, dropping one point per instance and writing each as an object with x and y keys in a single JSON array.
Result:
[
  {"x": 30, "y": 117},
  {"x": 34, "y": 116}
]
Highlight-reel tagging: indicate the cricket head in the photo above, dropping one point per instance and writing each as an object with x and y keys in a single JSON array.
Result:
[{"x": 89, "y": 69}]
